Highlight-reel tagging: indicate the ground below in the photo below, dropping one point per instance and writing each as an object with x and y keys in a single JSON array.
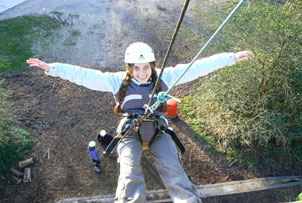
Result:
[{"x": 63, "y": 117}]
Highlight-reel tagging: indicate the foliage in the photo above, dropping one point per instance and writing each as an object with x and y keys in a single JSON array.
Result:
[
  {"x": 14, "y": 141},
  {"x": 16, "y": 38},
  {"x": 299, "y": 198},
  {"x": 255, "y": 107}
]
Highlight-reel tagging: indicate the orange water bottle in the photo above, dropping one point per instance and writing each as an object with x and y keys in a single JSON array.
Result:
[{"x": 172, "y": 108}]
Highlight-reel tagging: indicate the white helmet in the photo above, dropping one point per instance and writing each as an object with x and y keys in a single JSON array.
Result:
[
  {"x": 92, "y": 144},
  {"x": 103, "y": 133},
  {"x": 139, "y": 52}
]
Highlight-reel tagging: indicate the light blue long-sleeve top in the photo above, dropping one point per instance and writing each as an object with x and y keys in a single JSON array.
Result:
[{"x": 111, "y": 81}]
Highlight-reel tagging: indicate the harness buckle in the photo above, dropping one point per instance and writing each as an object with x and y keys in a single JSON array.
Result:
[
  {"x": 148, "y": 108},
  {"x": 145, "y": 145}
]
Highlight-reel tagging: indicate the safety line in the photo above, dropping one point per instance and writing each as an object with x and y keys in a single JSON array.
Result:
[
  {"x": 135, "y": 125},
  {"x": 168, "y": 51},
  {"x": 207, "y": 44}
]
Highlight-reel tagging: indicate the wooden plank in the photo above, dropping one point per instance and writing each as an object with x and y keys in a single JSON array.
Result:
[
  {"x": 210, "y": 190},
  {"x": 257, "y": 184}
]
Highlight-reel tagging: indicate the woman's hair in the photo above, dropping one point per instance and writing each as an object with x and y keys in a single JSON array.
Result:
[{"x": 126, "y": 82}]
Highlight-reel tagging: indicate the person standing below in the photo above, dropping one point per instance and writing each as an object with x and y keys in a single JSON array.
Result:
[
  {"x": 94, "y": 156},
  {"x": 104, "y": 139},
  {"x": 132, "y": 89}
]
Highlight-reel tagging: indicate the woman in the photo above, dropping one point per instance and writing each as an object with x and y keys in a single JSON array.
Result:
[{"x": 132, "y": 89}]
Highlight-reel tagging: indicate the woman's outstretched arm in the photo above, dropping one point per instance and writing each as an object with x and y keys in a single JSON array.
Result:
[
  {"x": 90, "y": 78},
  {"x": 204, "y": 66}
]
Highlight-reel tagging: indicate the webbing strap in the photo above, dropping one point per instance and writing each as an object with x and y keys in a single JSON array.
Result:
[
  {"x": 174, "y": 137},
  {"x": 116, "y": 140}
]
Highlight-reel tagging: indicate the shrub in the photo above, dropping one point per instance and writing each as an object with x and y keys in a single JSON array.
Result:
[
  {"x": 14, "y": 141},
  {"x": 257, "y": 104},
  {"x": 17, "y": 37}
]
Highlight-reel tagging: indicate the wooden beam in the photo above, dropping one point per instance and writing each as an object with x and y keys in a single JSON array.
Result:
[
  {"x": 12, "y": 178},
  {"x": 27, "y": 175},
  {"x": 16, "y": 172},
  {"x": 26, "y": 162}
]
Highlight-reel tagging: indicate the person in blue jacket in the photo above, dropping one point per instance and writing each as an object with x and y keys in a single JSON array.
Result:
[
  {"x": 94, "y": 155},
  {"x": 132, "y": 89}
]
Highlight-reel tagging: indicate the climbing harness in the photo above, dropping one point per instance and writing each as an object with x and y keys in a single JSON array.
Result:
[
  {"x": 164, "y": 96},
  {"x": 150, "y": 128},
  {"x": 147, "y": 130}
]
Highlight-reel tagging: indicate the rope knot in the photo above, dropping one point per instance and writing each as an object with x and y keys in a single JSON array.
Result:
[{"x": 163, "y": 97}]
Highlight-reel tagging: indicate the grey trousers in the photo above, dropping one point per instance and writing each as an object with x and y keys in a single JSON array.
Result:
[{"x": 131, "y": 183}]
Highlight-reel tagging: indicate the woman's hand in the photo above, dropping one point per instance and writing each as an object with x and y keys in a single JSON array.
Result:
[
  {"x": 243, "y": 56},
  {"x": 38, "y": 63}
]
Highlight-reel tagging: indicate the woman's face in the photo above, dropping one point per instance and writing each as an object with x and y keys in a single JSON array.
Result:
[{"x": 142, "y": 72}]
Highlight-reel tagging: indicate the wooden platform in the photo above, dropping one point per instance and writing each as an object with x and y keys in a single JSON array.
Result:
[{"x": 210, "y": 190}]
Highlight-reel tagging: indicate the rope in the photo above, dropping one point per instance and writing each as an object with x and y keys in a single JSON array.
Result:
[
  {"x": 165, "y": 95},
  {"x": 207, "y": 44},
  {"x": 168, "y": 51}
]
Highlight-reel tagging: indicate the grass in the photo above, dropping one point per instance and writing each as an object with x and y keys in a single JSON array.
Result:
[{"x": 17, "y": 35}]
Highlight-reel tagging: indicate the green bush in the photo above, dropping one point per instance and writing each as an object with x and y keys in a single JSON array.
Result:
[
  {"x": 17, "y": 35},
  {"x": 14, "y": 141},
  {"x": 256, "y": 106}
]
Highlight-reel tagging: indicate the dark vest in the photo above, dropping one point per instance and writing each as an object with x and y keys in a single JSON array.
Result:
[{"x": 137, "y": 95}]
